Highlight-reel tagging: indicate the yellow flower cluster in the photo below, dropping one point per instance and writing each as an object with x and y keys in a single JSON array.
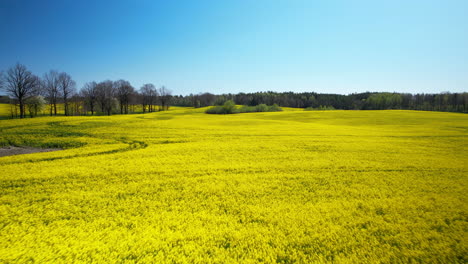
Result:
[{"x": 182, "y": 186}]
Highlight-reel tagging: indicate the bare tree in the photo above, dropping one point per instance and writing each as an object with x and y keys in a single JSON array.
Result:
[
  {"x": 123, "y": 91},
  {"x": 134, "y": 100},
  {"x": 34, "y": 104},
  {"x": 153, "y": 97},
  {"x": 89, "y": 92},
  {"x": 164, "y": 97},
  {"x": 67, "y": 88},
  {"x": 105, "y": 96},
  {"x": 101, "y": 96},
  {"x": 76, "y": 106},
  {"x": 148, "y": 96},
  {"x": 20, "y": 83},
  {"x": 51, "y": 90}
]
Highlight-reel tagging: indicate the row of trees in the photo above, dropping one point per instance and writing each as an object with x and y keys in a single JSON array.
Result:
[
  {"x": 451, "y": 102},
  {"x": 28, "y": 91}
]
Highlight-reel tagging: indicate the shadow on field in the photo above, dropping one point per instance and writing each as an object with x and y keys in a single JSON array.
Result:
[{"x": 11, "y": 150}]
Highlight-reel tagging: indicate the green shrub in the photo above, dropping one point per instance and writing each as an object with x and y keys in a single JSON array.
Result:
[
  {"x": 261, "y": 108},
  {"x": 274, "y": 108},
  {"x": 215, "y": 110},
  {"x": 246, "y": 109},
  {"x": 320, "y": 108},
  {"x": 229, "y": 107}
]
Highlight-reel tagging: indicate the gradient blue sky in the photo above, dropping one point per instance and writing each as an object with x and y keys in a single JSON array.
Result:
[{"x": 223, "y": 46}]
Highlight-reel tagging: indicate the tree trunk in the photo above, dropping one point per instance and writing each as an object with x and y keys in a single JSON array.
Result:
[
  {"x": 65, "y": 106},
  {"x": 21, "y": 108}
]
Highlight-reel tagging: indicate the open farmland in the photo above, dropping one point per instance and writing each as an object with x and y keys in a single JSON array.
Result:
[{"x": 285, "y": 187}]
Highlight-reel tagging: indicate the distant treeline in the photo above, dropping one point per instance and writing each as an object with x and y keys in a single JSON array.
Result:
[
  {"x": 449, "y": 102},
  {"x": 29, "y": 95}
]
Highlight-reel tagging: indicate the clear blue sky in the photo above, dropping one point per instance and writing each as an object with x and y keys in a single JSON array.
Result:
[{"x": 222, "y": 46}]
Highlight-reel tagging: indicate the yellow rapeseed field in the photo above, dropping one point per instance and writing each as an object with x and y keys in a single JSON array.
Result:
[
  {"x": 7, "y": 110},
  {"x": 183, "y": 186}
]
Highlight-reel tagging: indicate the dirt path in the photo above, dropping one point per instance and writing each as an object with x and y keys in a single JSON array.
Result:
[{"x": 9, "y": 151}]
